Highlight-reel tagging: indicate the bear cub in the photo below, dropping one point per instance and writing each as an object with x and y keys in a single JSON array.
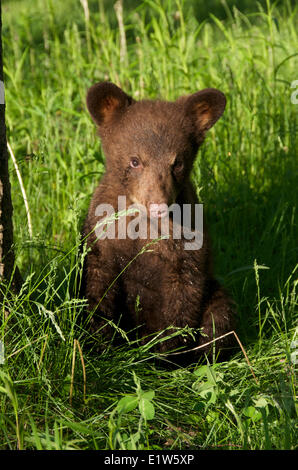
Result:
[{"x": 133, "y": 281}]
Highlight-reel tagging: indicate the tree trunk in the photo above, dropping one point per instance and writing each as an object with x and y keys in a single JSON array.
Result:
[{"x": 7, "y": 259}]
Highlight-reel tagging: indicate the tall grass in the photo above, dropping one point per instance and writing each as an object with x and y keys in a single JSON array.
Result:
[{"x": 56, "y": 391}]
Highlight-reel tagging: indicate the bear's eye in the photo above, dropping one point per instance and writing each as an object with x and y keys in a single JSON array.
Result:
[
  {"x": 135, "y": 162},
  {"x": 178, "y": 166}
]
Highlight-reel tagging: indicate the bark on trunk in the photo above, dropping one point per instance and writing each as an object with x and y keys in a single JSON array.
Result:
[{"x": 7, "y": 259}]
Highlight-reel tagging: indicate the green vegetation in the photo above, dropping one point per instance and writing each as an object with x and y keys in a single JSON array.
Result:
[{"x": 56, "y": 392}]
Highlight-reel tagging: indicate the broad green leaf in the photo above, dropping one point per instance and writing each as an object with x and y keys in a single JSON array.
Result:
[
  {"x": 201, "y": 371},
  {"x": 203, "y": 387},
  {"x": 146, "y": 409},
  {"x": 261, "y": 402},
  {"x": 127, "y": 404},
  {"x": 209, "y": 395},
  {"x": 149, "y": 395},
  {"x": 252, "y": 413}
]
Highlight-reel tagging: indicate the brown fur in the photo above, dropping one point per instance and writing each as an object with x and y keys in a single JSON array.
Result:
[{"x": 175, "y": 286}]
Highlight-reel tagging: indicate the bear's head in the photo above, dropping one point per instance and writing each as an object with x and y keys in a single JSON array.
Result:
[{"x": 150, "y": 145}]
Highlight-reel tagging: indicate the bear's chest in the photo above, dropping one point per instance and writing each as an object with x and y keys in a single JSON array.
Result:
[{"x": 159, "y": 272}]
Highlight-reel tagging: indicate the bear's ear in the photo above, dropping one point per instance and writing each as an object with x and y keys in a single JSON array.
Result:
[
  {"x": 204, "y": 108},
  {"x": 105, "y": 100}
]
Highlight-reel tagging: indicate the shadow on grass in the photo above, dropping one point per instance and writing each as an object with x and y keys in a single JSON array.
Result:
[{"x": 251, "y": 222}]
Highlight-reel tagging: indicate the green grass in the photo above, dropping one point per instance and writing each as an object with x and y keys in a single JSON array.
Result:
[{"x": 56, "y": 392}]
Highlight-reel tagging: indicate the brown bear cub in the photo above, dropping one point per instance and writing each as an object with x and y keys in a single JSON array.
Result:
[{"x": 152, "y": 283}]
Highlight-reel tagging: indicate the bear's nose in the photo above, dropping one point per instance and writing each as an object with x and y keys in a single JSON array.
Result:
[{"x": 158, "y": 210}]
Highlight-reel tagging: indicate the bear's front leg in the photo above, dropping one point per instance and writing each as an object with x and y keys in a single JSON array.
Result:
[
  {"x": 101, "y": 291},
  {"x": 218, "y": 319}
]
